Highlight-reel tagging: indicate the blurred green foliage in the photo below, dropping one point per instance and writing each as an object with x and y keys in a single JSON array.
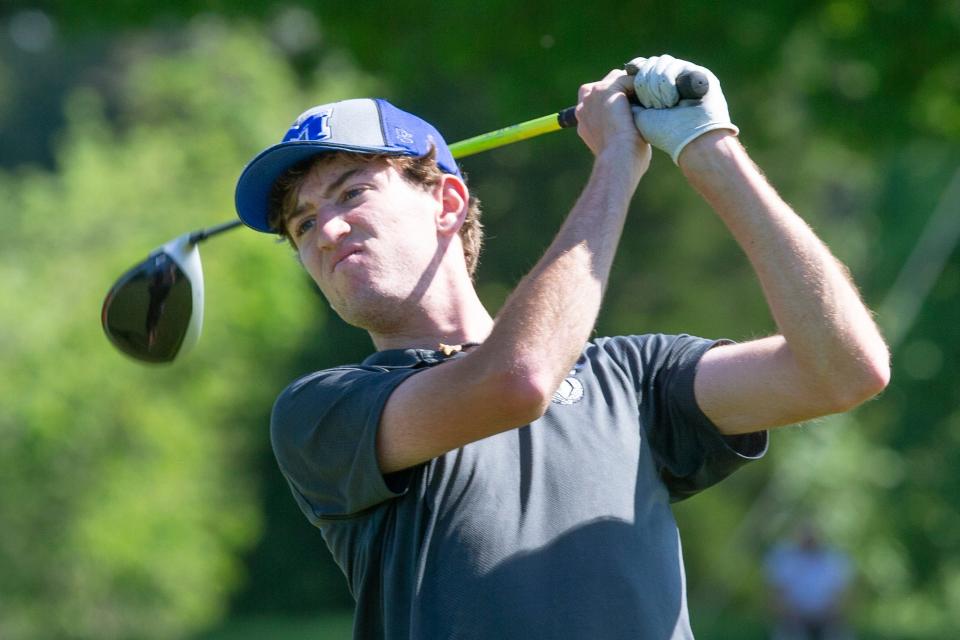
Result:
[
  {"x": 143, "y": 502},
  {"x": 332, "y": 626},
  {"x": 125, "y": 491}
]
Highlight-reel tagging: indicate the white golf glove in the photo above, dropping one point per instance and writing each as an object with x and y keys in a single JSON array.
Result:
[{"x": 664, "y": 120}]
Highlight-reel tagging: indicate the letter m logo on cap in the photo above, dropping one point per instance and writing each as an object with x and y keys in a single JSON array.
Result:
[{"x": 311, "y": 125}]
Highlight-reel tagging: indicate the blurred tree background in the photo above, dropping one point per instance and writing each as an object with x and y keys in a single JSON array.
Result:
[{"x": 145, "y": 503}]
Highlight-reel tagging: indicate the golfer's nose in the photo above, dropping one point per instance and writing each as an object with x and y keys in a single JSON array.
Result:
[{"x": 332, "y": 231}]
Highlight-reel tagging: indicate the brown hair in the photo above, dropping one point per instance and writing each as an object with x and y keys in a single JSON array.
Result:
[{"x": 419, "y": 171}]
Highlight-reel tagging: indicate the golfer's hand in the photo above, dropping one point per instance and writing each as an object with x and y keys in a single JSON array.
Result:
[
  {"x": 664, "y": 120},
  {"x": 605, "y": 121}
]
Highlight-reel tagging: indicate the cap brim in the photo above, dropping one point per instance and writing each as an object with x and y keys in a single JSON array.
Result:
[{"x": 252, "y": 197}]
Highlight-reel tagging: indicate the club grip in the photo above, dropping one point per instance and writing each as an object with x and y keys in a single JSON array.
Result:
[
  {"x": 691, "y": 85},
  {"x": 567, "y": 118}
]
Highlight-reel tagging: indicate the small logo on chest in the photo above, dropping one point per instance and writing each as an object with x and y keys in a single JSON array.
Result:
[{"x": 570, "y": 392}]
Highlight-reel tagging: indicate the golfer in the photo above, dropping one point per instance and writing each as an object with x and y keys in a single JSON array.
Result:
[{"x": 511, "y": 477}]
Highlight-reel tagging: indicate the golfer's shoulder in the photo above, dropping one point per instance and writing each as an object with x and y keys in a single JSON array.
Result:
[
  {"x": 335, "y": 382},
  {"x": 332, "y": 399}
]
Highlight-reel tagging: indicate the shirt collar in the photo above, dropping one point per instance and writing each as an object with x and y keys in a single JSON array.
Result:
[{"x": 410, "y": 357}]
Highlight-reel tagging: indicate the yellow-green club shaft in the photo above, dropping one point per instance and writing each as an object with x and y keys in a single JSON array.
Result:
[{"x": 508, "y": 135}]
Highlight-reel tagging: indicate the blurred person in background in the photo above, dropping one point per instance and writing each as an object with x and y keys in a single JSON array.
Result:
[{"x": 810, "y": 583}]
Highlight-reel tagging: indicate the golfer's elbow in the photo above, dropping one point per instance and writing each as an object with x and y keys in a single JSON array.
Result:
[
  {"x": 525, "y": 396},
  {"x": 868, "y": 376},
  {"x": 874, "y": 379}
]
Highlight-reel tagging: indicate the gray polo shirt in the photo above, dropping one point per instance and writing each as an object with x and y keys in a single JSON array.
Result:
[{"x": 558, "y": 529}]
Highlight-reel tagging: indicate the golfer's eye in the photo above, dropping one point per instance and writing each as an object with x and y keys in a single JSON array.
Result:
[
  {"x": 303, "y": 225},
  {"x": 351, "y": 193}
]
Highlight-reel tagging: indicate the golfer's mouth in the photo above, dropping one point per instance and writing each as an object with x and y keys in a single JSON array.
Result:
[{"x": 343, "y": 255}]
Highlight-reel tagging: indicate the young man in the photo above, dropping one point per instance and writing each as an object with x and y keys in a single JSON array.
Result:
[{"x": 517, "y": 484}]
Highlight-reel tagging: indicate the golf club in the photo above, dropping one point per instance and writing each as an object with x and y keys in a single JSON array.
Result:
[{"x": 154, "y": 312}]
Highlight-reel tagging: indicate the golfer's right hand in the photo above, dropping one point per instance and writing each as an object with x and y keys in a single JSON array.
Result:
[
  {"x": 664, "y": 120},
  {"x": 605, "y": 121}
]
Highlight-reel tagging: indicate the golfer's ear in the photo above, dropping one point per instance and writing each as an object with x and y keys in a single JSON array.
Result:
[{"x": 454, "y": 201}]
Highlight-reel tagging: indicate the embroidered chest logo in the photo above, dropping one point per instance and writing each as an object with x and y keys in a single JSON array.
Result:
[{"x": 570, "y": 391}]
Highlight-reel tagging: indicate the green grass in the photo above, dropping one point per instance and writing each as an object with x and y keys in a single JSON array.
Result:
[{"x": 331, "y": 626}]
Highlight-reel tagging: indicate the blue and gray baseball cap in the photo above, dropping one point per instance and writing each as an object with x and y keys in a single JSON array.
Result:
[{"x": 367, "y": 125}]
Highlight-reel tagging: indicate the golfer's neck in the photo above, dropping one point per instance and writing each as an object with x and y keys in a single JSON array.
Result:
[{"x": 452, "y": 319}]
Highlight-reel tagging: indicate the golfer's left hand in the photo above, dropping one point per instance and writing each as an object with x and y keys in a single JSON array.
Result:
[{"x": 664, "y": 120}]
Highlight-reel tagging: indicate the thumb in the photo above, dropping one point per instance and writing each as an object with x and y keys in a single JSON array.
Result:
[{"x": 639, "y": 118}]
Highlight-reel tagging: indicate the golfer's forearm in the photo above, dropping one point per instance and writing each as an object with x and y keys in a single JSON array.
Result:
[
  {"x": 544, "y": 324},
  {"x": 830, "y": 332}
]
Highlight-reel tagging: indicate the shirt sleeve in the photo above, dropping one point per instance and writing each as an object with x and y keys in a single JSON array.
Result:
[
  {"x": 690, "y": 452},
  {"x": 323, "y": 430}
]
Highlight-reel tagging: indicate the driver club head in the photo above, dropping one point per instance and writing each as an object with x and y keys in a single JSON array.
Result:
[{"x": 154, "y": 312}]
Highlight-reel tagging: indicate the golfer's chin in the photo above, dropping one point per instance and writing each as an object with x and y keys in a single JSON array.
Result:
[{"x": 370, "y": 311}]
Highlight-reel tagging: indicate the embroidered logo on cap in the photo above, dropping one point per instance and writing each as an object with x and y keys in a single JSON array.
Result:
[
  {"x": 313, "y": 125},
  {"x": 403, "y": 135}
]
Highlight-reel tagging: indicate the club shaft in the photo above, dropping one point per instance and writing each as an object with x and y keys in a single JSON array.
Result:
[
  {"x": 202, "y": 234},
  {"x": 505, "y": 136}
]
